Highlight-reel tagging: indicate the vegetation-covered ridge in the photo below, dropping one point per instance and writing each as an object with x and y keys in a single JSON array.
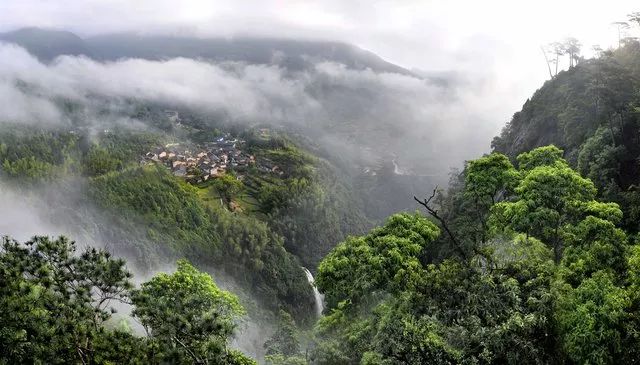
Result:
[
  {"x": 531, "y": 257},
  {"x": 152, "y": 213},
  {"x": 592, "y": 112},
  {"x": 533, "y": 270}
]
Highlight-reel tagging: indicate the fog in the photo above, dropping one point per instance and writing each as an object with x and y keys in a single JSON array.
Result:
[
  {"x": 473, "y": 64},
  {"x": 439, "y": 122},
  {"x": 367, "y": 114},
  {"x": 499, "y": 39},
  {"x": 58, "y": 209}
]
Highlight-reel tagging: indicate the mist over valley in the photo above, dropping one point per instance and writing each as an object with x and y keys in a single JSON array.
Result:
[{"x": 337, "y": 184}]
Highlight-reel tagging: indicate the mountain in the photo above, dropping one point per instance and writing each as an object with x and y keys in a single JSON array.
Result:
[
  {"x": 47, "y": 44},
  {"x": 289, "y": 53},
  {"x": 592, "y": 112},
  {"x": 521, "y": 221},
  {"x": 293, "y": 54},
  {"x": 527, "y": 259}
]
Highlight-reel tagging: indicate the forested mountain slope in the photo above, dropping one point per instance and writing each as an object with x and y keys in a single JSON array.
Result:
[
  {"x": 592, "y": 112},
  {"x": 97, "y": 186},
  {"x": 531, "y": 257}
]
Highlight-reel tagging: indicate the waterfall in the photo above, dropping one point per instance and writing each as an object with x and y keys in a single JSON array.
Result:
[
  {"x": 396, "y": 168},
  {"x": 318, "y": 297}
]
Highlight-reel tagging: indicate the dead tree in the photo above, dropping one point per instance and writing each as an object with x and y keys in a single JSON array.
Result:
[{"x": 434, "y": 213}]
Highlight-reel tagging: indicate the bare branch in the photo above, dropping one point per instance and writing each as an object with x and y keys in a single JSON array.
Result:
[{"x": 434, "y": 213}]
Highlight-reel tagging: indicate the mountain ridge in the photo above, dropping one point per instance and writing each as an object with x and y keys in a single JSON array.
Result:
[{"x": 292, "y": 54}]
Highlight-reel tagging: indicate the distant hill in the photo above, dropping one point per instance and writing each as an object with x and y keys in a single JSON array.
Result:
[
  {"x": 289, "y": 53},
  {"x": 293, "y": 54},
  {"x": 47, "y": 44}
]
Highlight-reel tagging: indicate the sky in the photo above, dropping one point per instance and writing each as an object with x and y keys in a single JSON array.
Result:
[
  {"x": 409, "y": 32},
  {"x": 496, "y": 42}
]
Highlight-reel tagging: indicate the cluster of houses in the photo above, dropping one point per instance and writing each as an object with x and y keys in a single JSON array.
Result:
[{"x": 210, "y": 160}]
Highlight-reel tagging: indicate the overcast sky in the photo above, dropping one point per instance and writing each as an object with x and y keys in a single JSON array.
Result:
[{"x": 497, "y": 41}]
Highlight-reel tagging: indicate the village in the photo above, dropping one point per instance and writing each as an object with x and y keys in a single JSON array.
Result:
[{"x": 199, "y": 163}]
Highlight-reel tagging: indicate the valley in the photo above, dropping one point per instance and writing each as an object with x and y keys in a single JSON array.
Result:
[{"x": 184, "y": 197}]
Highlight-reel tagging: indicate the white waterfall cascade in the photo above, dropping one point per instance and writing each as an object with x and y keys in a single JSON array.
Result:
[
  {"x": 318, "y": 297},
  {"x": 396, "y": 168}
]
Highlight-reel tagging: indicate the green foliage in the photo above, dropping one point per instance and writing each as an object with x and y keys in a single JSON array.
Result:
[
  {"x": 304, "y": 211},
  {"x": 486, "y": 180},
  {"x": 29, "y": 169},
  {"x": 591, "y": 111},
  {"x": 55, "y": 304},
  {"x": 488, "y": 176},
  {"x": 598, "y": 158},
  {"x": 387, "y": 307},
  {"x": 591, "y": 319},
  {"x": 280, "y": 359},
  {"x": 187, "y": 314},
  {"x": 311, "y": 205},
  {"x": 552, "y": 279},
  {"x": 594, "y": 245},
  {"x": 46, "y": 292},
  {"x": 554, "y": 204},
  {"x": 228, "y": 186},
  {"x": 173, "y": 212},
  {"x": 99, "y": 161},
  {"x": 542, "y": 156},
  {"x": 128, "y": 145},
  {"x": 235, "y": 357},
  {"x": 401, "y": 338},
  {"x": 285, "y": 340},
  {"x": 551, "y": 274},
  {"x": 549, "y": 199},
  {"x": 166, "y": 204},
  {"x": 386, "y": 259},
  {"x": 36, "y": 155},
  {"x": 284, "y": 347}
]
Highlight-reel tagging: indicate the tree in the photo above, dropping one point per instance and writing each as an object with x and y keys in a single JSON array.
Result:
[
  {"x": 403, "y": 338},
  {"x": 99, "y": 161},
  {"x": 591, "y": 320},
  {"x": 620, "y": 26},
  {"x": 487, "y": 180},
  {"x": 387, "y": 259},
  {"x": 572, "y": 48},
  {"x": 285, "y": 340},
  {"x": 550, "y": 198},
  {"x": 188, "y": 315},
  {"x": 541, "y": 156},
  {"x": 597, "y": 50},
  {"x": 558, "y": 49},
  {"x": 634, "y": 17},
  {"x": 387, "y": 306},
  {"x": 594, "y": 245},
  {"x": 284, "y": 348},
  {"x": 556, "y": 205},
  {"x": 228, "y": 186},
  {"x": 53, "y": 303}
]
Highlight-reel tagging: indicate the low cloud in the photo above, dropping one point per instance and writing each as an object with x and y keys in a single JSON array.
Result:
[
  {"x": 427, "y": 124},
  {"x": 436, "y": 121}
]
